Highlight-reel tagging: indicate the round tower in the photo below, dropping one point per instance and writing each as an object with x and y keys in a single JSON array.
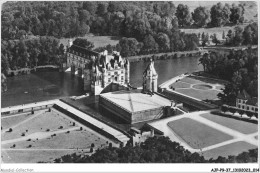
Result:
[{"x": 150, "y": 78}]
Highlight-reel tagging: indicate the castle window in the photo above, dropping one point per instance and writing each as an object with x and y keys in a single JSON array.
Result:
[
  {"x": 256, "y": 109},
  {"x": 247, "y": 107},
  {"x": 108, "y": 73},
  {"x": 109, "y": 80},
  {"x": 116, "y": 73},
  {"x": 252, "y": 108},
  {"x": 239, "y": 106},
  {"x": 122, "y": 71},
  {"x": 243, "y": 107},
  {"x": 115, "y": 78}
]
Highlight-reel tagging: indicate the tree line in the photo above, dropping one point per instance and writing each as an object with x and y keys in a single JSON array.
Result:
[
  {"x": 70, "y": 19},
  {"x": 16, "y": 54},
  {"x": 154, "y": 150},
  {"x": 238, "y": 67}
]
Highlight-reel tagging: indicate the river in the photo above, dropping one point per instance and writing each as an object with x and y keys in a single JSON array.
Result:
[{"x": 42, "y": 86}]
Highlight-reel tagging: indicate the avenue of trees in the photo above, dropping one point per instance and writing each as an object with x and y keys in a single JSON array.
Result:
[
  {"x": 154, "y": 150},
  {"x": 232, "y": 109},
  {"x": 238, "y": 67}
]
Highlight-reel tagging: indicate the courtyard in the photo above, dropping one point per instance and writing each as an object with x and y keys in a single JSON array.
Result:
[{"x": 44, "y": 136}]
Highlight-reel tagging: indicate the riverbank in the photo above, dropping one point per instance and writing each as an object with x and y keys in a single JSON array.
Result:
[
  {"x": 169, "y": 55},
  {"x": 23, "y": 71}
]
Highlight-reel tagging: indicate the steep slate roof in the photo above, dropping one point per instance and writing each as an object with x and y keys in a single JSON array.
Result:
[
  {"x": 252, "y": 101},
  {"x": 243, "y": 95},
  {"x": 150, "y": 69}
]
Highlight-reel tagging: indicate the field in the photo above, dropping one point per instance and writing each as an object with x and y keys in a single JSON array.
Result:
[
  {"x": 99, "y": 41},
  {"x": 230, "y": 149},
  {"x": 45, "y": 136},
  {"x": 238, "y": 125},
  {"x": 198, "y": 87},
  {"x": 196, "y": 134}
]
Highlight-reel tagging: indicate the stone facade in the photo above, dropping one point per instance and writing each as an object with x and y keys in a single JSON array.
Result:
[
  {"x": 150, "y": 78},
  {"x": 97, "y": 69},
  {"x": 247, "y": 103}
]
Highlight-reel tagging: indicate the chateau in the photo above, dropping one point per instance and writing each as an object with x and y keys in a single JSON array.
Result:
[{"x": 98, "y": 69}]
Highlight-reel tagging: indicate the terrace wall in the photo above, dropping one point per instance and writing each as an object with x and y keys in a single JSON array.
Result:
[{"x": 187, "y": 100}]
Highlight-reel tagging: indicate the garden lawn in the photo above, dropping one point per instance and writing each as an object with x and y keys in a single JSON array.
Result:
[
  {"x": 47, "y": 120},
  {"x": 199, "y": 94},
  {"x": 196, "y": 134},
  {"x": 238, "y": 125},
  {"x": 180, "y": 85},
  {"x": 9, "y": 121},
  {"x": 33, "y": 156},
  {"x": 98, "y": 41},
  {"x": 73, "y": 140},
  {"x": 230, "y": 149}
]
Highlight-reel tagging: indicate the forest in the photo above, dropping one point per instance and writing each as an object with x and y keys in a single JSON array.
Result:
[
  {"x": 154, "y": 150},
  {"x": 240, "y": 68}
]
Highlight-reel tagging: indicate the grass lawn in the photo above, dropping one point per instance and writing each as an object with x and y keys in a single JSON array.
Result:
[
  {"x": 196, "y": 134},
  {"x": 9, "y": 121},
  {"x": 199, "y": 94},
  {"x": 32, "y": 156},
  {"x": 238, "y": 125},
  {"x": 230, "y": 149},
  {"x": 190, "y": 80},
  {"x": 99, "y": 41},
  {"x": 219, "y": 87},
  {"x": 73, "y": 140},
  {"x": 180, "y": 85},
  {"x": 47, "y": 120}
]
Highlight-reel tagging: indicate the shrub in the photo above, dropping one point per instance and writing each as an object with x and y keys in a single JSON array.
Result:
[
  {"x": 28, "y": 139},
  {"x": 61, "y": 127},
  {"x": 73, "y": 124},
  {"x": 47, "y": 130},
  {"x": 23, "y": 134},
  {"x": 92, "y": 145},
  {"x": 80, "y": 128},
  {"x": 29, "y": 146},
  {"x": 14, "y": 146},
  {"x": 10, "y": 130},
  {"x": 68, "y": 131}
]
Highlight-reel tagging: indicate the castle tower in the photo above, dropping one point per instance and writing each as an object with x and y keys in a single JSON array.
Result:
[{"x": 150, "y": 78}]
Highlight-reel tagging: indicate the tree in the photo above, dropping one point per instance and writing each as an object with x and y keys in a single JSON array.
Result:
[
  {"x": 238, "y": 37},
  {"x": 163, "y": 41},
  {"x": 129, "y": 47},
  {"x": 237, "y": 13},
  {"x": 201, "y": 16},
  {"x": 204, "y": 39},
  {"x": 83, "y": 43},
  {"x": 219, "y": 14},
  {"x": 224, "y": 108},
  {"x": 183, "y": 15},
  {"x": 229, "y": 93},
  {"x": 249, "y": 114},
  {"x": 149, "y": 45},
  {"x": 215, "y": 39},
  {"x": 223, "y": 35}
]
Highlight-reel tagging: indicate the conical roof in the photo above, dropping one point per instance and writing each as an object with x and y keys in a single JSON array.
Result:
[{"x": 150, "y": 69}]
